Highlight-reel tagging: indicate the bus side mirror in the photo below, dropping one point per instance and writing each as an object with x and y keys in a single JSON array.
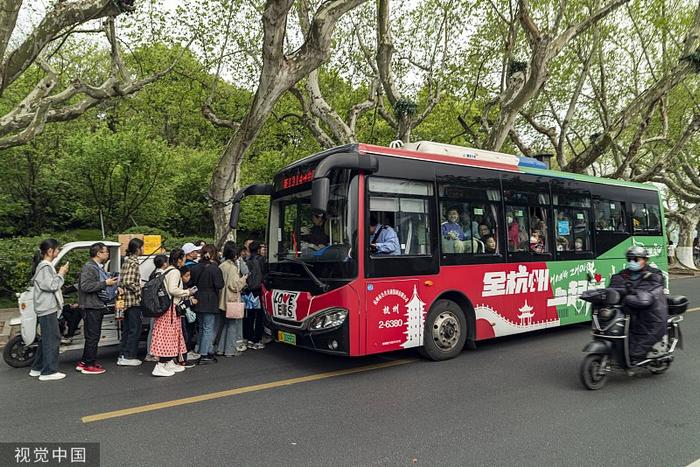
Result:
[
  {"x": 320, "y": 194},
  {"x": 235, "y": 212}
]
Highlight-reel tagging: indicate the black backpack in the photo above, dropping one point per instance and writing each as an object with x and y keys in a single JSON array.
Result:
[{"x": 155, "y": 300}]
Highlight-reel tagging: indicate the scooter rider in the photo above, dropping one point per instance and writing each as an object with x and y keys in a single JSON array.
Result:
[{"x": 643, "y": 287}]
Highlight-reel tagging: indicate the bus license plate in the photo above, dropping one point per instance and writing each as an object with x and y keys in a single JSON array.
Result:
[{"x": 286, "y": 337}]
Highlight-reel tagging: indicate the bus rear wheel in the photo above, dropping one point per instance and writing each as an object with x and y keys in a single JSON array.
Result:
[{"x": 445, "y": 331}]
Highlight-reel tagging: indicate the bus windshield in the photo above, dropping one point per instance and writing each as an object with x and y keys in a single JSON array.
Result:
[{"x": 323, "y": 240}]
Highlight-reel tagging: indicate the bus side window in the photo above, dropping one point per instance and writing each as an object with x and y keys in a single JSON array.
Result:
[
  {"x": 609, "y": 215},
  {"x": 401, "y": 206},
  {"x": 646, "y": 219},
  {"x": 468, "y": 221}
]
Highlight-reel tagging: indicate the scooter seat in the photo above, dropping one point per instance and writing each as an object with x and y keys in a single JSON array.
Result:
[{"x": 677, "y": 304}]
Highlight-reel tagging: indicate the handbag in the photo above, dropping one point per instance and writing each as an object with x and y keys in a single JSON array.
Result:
[{"x": 235, "y": 310}]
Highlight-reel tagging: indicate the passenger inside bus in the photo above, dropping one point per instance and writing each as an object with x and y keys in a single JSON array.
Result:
[
  {"x": 490, "y": 244},
  {"x": 537, "y": 242},
  {"x": 383, "y": 239},
  {"x": 450, "y": 229}
]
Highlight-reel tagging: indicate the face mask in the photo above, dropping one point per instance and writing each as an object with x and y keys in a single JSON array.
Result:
[
  {"x": 533, "y": 239},
  {"x": 509, "y": 219},
  {"x": 633, "y": 266}
]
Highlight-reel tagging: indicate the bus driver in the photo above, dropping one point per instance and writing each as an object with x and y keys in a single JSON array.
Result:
[{"x": 383, "y": 239}]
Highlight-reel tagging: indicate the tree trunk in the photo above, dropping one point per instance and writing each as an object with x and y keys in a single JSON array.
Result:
[{"x": 684, "y": 249}]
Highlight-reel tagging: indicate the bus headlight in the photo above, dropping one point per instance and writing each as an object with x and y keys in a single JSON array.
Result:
[{"x": 329, "y": 319}]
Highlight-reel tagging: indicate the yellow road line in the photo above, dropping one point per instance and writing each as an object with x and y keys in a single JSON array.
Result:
[{"x": 237, "y": 391}]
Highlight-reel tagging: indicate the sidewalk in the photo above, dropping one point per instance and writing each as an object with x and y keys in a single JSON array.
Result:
[{"x": 5, "y": 329}]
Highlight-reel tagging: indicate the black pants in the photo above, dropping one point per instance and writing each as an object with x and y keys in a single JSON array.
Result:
[
  {"x": 254, "y": 324},
  {"x": 131, "y": 331},
  {"x": 93, "y": 330}
]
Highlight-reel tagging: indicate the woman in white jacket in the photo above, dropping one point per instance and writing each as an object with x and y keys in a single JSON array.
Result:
[{"x": 48, "y": 302}]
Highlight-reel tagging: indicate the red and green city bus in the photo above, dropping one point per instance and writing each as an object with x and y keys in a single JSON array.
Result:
[{"x": 490, "y": 244}]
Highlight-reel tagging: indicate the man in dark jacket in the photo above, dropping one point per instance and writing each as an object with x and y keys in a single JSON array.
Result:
[
  {"x": 91, "y": 297},
  {"x": 643, "y": 287}
]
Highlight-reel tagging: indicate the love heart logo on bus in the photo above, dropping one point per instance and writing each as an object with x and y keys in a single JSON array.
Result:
[{"x": 284, "y": 304}]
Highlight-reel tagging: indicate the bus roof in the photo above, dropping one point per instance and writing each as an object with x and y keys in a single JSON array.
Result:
[{"x": 363, "y": 148}]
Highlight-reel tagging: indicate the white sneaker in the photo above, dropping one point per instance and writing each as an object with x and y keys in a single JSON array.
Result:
[
  {"x": 192, "y": 355},
  {"x": 242, "y": 347},
  {"x": 162, "y": 370},
  {"x": 121, "y": 361},
  {"x": 174, "y": 367},
  {"x": 34, "y": 373},
  {"x": 52, "y": 377}
]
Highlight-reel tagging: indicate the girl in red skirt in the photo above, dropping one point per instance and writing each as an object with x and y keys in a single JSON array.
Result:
[{"x": 168, "y": 341}]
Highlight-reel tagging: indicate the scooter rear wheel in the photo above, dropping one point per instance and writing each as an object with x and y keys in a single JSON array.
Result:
[
  {"x": 593, "y": 375},
  {"x": 18, "y": 355}
]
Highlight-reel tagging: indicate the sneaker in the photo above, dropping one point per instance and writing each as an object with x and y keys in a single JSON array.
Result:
[
  {"x": 266, "y": 339},
  {"x": 187, "y": 364},
  {"x": 207, "y": 359},
  {"x": 250, "y": 343},
  {"x": 52, "y": 377},
  {"x": 66, "y": 340},
  {"x": 34, "y": 373},
  {"x": 80, "y": 366},
  {"x": 95, "y": 369},
  {"x": 234, "y": 354},
  {"x": 150, "y": 358},
  {"x": 258, "y": 346},
  {"x": 241, "y": 347},
  {"x": 192, "y": 355},
  {"x": 128, "y": 361},
  {"x": 219, "y": 353},
  {"x": 161, "y": 370},
  {"x": 174, "y": 367}
]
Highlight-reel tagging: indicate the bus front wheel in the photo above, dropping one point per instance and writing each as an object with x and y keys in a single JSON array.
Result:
[{"x": 445, "y": 331}]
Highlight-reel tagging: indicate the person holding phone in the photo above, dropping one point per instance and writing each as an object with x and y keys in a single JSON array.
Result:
[
  {"x": 48, "y": 302},
  {"x": 94, "y": 290}
]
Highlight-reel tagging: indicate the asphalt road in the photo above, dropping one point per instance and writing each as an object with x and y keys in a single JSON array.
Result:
[{"x": 514, "y": 401}]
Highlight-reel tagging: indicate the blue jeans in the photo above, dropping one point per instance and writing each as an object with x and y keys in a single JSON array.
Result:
[
  {"x": 207, "y": 332},
  {"x": 231, "y": 335},
  {"x": 46, "y": 359}
]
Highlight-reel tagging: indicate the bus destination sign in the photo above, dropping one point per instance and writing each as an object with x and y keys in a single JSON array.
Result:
[{"x": 297, "y": 179}]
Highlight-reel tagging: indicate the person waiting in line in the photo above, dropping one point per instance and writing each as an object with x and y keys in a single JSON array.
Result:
[
  {"x": 254, "y": 321},
  {"x": 48, "y": 301},
  {"x": 160, "y": 262},
  {"x": 451, "y": 230},
  {"x": 231, "y": 342},
  {"x": 131, "y": 287},
  {"x": 96, "y": 289},
  {"x": 383, "y": 239},
  {"x": 168, "y": 342},
  {"x": 192, "y": 253},
  {"x": 209, "y": 281},
  {"x": 490, "y": 246}
]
